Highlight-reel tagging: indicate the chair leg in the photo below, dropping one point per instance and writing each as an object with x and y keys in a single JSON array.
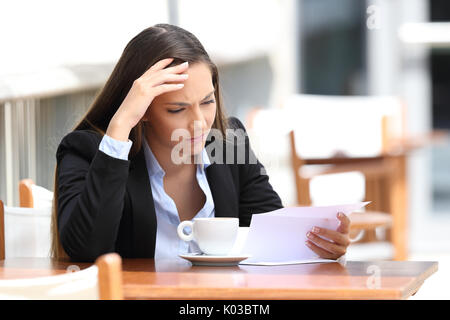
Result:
[
  {"x": 399, "y": 210},
  {"x": 386, "y": 205},
  {"x": 372, "y": 194},
  {"x": 303, "y": 192}
]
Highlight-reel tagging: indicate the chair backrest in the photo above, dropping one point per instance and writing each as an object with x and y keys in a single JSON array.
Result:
[
  {"x": 100, "y": 281},
  {"x": 355, "y": 125},
  {"x": 268, "y": 135},
  {"x": 302, "y": 184},
  {"x": 322, "y": 125},
  {"x": 26, "y": 193},
  {"x": 110, "y": 277},
  {"x": 25, "y": 232},
  {"x": 34, "y": 196},
  {"x": 326, "y": 185}
]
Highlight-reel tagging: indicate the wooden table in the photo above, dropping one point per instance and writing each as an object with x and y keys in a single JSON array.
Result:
[{"x": 178, "y": 279}]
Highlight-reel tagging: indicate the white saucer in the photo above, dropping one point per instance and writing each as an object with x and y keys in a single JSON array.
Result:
[{"x": 198, "y": 259}]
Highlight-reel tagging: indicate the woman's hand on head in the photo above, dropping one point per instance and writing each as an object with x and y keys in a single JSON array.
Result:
[{"x": 154, "y": 82}]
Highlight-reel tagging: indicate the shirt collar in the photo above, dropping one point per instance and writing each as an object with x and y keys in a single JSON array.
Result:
[
  {"x": 153, "y": 165},
  {"x": 205, "y": 159}
]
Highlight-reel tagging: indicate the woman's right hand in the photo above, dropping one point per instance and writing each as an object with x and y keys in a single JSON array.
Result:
[{"x": 144, "y": 89}]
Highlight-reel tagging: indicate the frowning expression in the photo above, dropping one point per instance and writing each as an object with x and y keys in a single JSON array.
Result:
[{"x": 191, "y": 109}]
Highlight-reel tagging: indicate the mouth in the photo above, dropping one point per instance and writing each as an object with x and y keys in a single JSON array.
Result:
[{"x": 198, "y": 139}]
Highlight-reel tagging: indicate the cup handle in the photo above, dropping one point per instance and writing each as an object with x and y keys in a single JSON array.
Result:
[{"x": 181, "y": 234}]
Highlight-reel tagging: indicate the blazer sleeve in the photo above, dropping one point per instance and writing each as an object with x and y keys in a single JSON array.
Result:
[
  {"x": 256, "y": 194},
  {"x": 91, "y": 193}
]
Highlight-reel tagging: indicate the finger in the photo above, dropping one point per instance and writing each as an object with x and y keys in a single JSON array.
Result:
[
  {"x": 172, "y": 70},
  {"x": 338, "y": 237},
  {"x": 161, "y": 64},
  {"x": 166, "y": 77},
  {"x": 163, "y": 88},
  {"x": 344, "y": 225},
  {"x": 325, "y": 244},
  {"x": 319, "y": 251},
  {"x": 177, "y": 69}
]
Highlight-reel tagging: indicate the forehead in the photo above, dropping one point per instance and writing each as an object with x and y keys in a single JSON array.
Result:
[{"x": 196, "y": 87}]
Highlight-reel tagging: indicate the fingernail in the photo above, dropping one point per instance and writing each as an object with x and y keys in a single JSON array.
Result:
[
  {"x": 340, "y": 215},
  {"x": 185, "y": 63},
  {"x": 184, "y": 75},
  {"x": 316, "y": 230},
  {"x": 309, "y": 235}
]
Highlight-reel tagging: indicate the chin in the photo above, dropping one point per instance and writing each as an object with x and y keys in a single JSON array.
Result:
[{"x": 197, "y": 149}]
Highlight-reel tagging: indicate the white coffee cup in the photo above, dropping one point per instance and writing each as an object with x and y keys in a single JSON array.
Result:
[{"x": 214, "y": 236}]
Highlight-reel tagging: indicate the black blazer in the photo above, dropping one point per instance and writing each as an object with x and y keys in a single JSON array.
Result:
[{"x": 106, "y": 204}]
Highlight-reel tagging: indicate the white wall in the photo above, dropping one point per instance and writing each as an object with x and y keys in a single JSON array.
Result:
[{"x": 46, "y": 33}]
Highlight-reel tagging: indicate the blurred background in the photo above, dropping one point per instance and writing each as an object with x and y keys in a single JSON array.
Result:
[{"x": 364, "y": 87}]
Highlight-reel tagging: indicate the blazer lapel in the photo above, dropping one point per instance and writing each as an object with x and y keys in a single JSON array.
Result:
[
  {"x": 223, "y": 190},
  {"x": 143, "y": 208},
  {"x": 220, "y": 180}
]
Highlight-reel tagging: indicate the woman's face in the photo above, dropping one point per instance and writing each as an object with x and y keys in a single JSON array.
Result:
[{"x": 191, "y": 109}]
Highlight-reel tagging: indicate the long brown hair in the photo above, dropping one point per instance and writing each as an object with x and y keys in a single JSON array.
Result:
[{"x": 155, "y": 43}]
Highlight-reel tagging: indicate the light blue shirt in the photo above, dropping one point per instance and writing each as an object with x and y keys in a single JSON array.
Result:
[{"x": 168, "y": 244}]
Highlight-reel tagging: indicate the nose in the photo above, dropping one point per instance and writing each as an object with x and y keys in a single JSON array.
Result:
[{"x": 197, "y": 123}]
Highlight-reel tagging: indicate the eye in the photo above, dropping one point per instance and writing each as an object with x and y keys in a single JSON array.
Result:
[
  {"x": 209, "y": 102},
  {"x": 175, "y": 110}
]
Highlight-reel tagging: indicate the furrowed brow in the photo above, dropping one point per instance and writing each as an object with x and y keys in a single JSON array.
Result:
[{"x": 185, "y": 104}]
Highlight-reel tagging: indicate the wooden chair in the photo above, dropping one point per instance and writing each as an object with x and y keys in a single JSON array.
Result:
[
  {"x": 103, "y": 281},
  {"x": 33, "y": 196},
  {"x": 372, "y": 130},
  {"x": 361, "y": 223},
  {"x": 25, "y": 232},
  {"x": 381, "y": 156},
  {"x": 110, "y": 277},
  {"x": 107, "y": 273},
  {"x": 327, "y": 118},
  {"x": 26, "y": 193}
]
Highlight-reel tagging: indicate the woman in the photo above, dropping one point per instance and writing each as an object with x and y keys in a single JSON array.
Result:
[{"x": 119, "y": 185}]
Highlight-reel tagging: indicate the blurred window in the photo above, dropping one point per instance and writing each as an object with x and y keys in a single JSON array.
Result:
[
  {"x": 440, "y": 84},
  {"x": 333, "y": 47}
]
